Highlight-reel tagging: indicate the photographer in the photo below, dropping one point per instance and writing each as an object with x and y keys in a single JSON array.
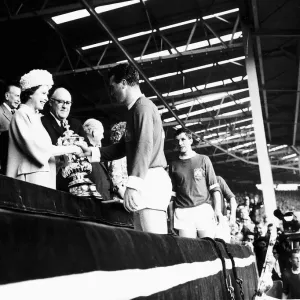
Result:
[{"x": 291, "y": 277}]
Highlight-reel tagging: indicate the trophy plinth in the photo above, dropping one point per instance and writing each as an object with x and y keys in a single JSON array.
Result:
[{"x": 76, "y": 168}]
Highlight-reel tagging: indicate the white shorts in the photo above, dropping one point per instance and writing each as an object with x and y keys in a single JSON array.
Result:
[
  {"x": 198, "y": 218},
  {"x": 223, "y": 231},
  {"x": 156, "y": 191}
]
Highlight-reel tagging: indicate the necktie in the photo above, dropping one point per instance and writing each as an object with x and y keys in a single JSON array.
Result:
[
  {"x": 13, "y": 111},
  {"x": 64, "y": 124}
]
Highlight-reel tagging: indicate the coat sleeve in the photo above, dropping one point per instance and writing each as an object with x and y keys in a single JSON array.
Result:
[{"x": 23, "y": 132}]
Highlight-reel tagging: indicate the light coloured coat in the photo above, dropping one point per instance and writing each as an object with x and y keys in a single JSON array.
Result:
[
  {"x": 30, "y": 149},
  {"x": 5, "y": 117}
]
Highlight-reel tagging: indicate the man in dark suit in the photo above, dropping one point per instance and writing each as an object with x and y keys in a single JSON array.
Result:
[
  {"x": 55, "y": 122},
  {"x": 7, "y": 109}
]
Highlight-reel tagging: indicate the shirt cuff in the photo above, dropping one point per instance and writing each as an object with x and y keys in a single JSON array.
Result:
[
  {"x": 135, "y": 182},
  {"x": 173, "y": 194},
  {"x": 96, "y": 155},
  {"x": 213, "y": 186},
  {"x": 62, "y": 150}
]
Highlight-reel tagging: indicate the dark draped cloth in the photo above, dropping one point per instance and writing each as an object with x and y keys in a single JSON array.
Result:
[{"x": 46, "y": 235}]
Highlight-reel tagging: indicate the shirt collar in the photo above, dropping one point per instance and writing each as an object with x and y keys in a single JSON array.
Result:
[
  {"x": 7, "y": 107},
  {"x": 192, "y": 154},
  {"x": 133, "y": 102},
  {"x": 57, "y": 121}
]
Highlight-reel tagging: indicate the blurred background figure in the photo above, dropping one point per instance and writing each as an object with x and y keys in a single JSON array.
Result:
[
  {"x": 249, "y": 239},
  {"x": 247, "y": 203},
  {"x": 277, "y": 270},
  {"x": 260, "y": 249},
  {"x": 236, "y": 235},
  {"x": 230, "y": 200},
  {"x": 9, "y": 106},
  {"x": 291, "y": 277},
  {"x": 247, "y": 224},
  {"x": 259, "y": 230},
  {"x": 7, "y": 109},
  {"x": 257, "y": 210},
  {"x": 228, "y": 203}
]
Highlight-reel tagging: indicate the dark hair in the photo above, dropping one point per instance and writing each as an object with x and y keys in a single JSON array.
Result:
[
  {"x": 5, "y": 88},
  {"x": 125, "y": 71},
  {"x": 27, "y": 93},
  {"x": 182, "y": 130}
]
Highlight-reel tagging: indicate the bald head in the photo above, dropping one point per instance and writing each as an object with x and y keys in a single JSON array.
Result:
[
  {"x": 60, "y": 103},
  {"x": 62, "y": 93},
  {"x": 94, "y": 130}
]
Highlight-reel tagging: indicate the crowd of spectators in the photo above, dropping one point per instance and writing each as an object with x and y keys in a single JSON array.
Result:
[{"x": 253, "y": 229}]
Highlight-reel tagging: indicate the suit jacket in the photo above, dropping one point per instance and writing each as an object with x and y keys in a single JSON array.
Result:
[
  {"x": 55, "y": 131},
  {"x": 5, "y": 118},
  {"x": 30, "y": 149},
  {"x": 100, "y": 177},
  {"x": 3, "y": 151}
]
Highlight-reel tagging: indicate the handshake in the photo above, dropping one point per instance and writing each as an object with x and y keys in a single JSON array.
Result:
[
  {"x": 83, "y": 149},
  {"x": 75, "y": 143},
  {"x": 74, "y": 159},
  {"x": 76, "y": 151}
]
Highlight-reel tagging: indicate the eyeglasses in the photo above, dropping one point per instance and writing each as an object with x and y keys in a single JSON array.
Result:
[{"x": 62, "y": 102}]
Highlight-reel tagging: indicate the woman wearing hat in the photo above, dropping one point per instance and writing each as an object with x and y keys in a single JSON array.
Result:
[{"x": 30, "y": 151}]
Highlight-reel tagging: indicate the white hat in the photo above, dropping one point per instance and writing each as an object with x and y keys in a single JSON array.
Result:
[{"x": 36, "y": 78}]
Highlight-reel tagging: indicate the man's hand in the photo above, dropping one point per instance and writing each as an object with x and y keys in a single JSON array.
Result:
[
  {"x": 77, "y": 150},
  {"x": 86, "y": 151},
  {"x": 219, "y": 217},
  {"x": 132, "y": 199}
]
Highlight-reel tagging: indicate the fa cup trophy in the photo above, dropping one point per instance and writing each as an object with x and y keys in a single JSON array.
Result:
[{"x": 76, "y": 168}]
